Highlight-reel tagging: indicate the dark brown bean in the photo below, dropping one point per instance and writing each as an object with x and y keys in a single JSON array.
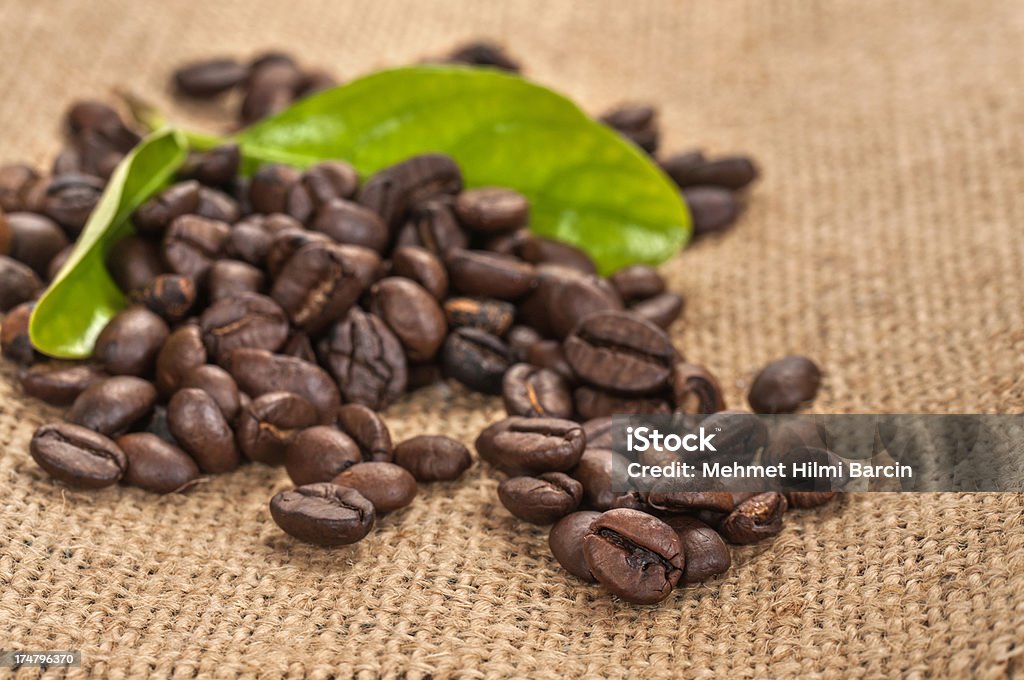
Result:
[
  {"x": 492, "y": 209},
  {"x": 785, "y": 385},
  {"x": 706, "y": 553},
  {"x": 170, "y": 296},
  {"x": 77, "y": 456},
  {"x": 70, "y": 198},
  {"x": 249, "y": 320},
  {"x": 634, "y": 555},
  {"x": 209, "y": 78},
  {"x": 288, "y": 241},
  {"x": 154, "y": 216},
  {"x": 386, "y": 485},
  {"x": 348, "y": 222},
  {"x": 423, "y": 267},
  {"x": 14, "y": 338},
  {"x": 486, "y": 274},
  {"x": 493, "y": 316},
  {"x": 433, "y": 458},
  {"x": 34, "y": 240},
  {"x": 192, "y": 243},
  {"x": 319, "y": 454},
  {"x": 218, "y": 383},
  {"x": 696, "y": 390},
  {"x": 755, "y": 518},
  {"x": 59, "y": 383},
  {"x": 602, "y": 473},
  {"x": 217, "y": 205},
  {"x": 728, "y": 172},
  {"x": 412, "y": 314},
  {"x": 661, "y": 310},
  {"x": 368, "y": 430},
  {"x": 268, "y": 191},
  {"x": 566, "y": 542},
  {"x": 366, "y": 359},
  {"x": 638, "y": 282},
  {"x": 620, "y": 352},
  {"x": 134, "y": 263},
  {"x": 432, "y": 225},
  {"x": 113, "y": 405},
  {"x": 217, "y": 167},
  {"x": 269, "y": 424},
  {"x": 393, "y": 191},
  {"x": 130, "y": 342},
  {"x": 635, "y": 122},
  {"x": 476, "y": 358},
  {"x": 258, "y": 372},
  {"x": 16, "y": 184},
  {"x": 596, "y": 403},
  {"x": 156, "y": 465},
  {"x": 536, "y": 393},
  {"x": 565, "y": 296},
  {"x": 182, "y": 351},
  {"x": 483, "y": 53},
  {"x": 809, "y": 499},
  {"x": 18, "y": 283},
  {"x": 324, "y": 514},
  {"x": 543, "y": 499},
  {"x": 198, "y": 425},
  {"x": 712, "y": 209},
  {"x": 520, "y": 446}
]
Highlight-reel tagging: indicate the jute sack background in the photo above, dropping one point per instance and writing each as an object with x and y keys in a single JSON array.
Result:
[{"x": 886, "y": 240}]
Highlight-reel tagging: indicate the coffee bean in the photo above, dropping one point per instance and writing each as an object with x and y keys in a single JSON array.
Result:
[
  {"x": 596, "y": 403},
  {"x": 134, "y": 263},
  {"x": 492, "y": 209},
  {"x": 809, "y": 499},
  {"x": 217, "y": 205},
  {"x": 728, "y": 172},
  {"x": 16, "y": 184},
  {"x": 18, "y": 283},
  {"x": 268, "y": 191},
  {"x": 712, "y": 209},
  {"x": 739, "y": 434},
  {"x": 113, "y": 405},
  {"x": 479, "y": 272},
  {"x": 617, "y": 351},
  {"x": 258, "y": 372},
  {"x": 69, "y": 199},
  {"x": 209, "y": 78},
  {"x": 785, "y": 385},
  {"x": 192, "y": 243},
  {"x": 366, "y": 359},
  {"x": 433, "y": 458},
  {"x": 689, "y": 495},
  {"x": 638, "y": 282},
  {"x": 755, "y": 518},
  {"x": 386, "y": 485},
  {"x": 520, "y": 339},
  {"x": 493, "y": 316},
  {"x": 14, "y": 339},
  {"x": 129, "y": 343},
  {"x": 231, "y": 278},
  {"x": 634, "y": 555},
  {"x": 706, "y": 553},
  {"x": 566, "y": 542},
  {"x": 539, "y": 250},
  {"x": 77, "y": 456},
  {"x": 270, "y": 89},
  {"x": 196, "y": 422},
  {"x": 520, "y": 446},
  {"x": 368, "y": 430},
  {"x": 216, "y": 382},
  {"x": 432, "y": 225},
  {"x": 217, "y": 167},
  {"x": 323, "y": 514},
  {"x": 536, "y": 393},
  {"x": 348, "y": 222},
  {"x": 59, "y": 383},
  {"x": 565, "y": 296},
  {"x": 321, "y": 282},
  {"x": 543, "y": 499},
  {"x": 696, "y": 390},
  {"x": 286, "y": 243},
  {"x": 476, "y": 358},
  {"x": 636, "y": 122},
  {"x": 482, "y": 53},
  {"x": 423, "y": 267},
  {"x": 602, "y": 473},
  {"x": 548, "y": 354},
  {"x": 599, "y": 432},
  {"x": 269, "y": 424},
  {"x": 153, "y": 217},
  {"x": 183, "y": 351},
  {"x": 34, "y": 240},
  {"x": 661, "y": 310},
  {"x": 170, "y": 296},
  {"x": 329, "y": 180},
  {"x": 393, "y": 191},
  {"x": 412, "y": 313},
  {"x": 249, "y": 320},
  {"x": 250, "y": 240},
  {"x": 319, "y": 454},
  {"x": 156, "y": 465}
]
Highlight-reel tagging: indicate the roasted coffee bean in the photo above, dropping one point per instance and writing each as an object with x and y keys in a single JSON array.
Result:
[
  {"x": 536, "y": 393},
  {"x": 432, "y": 225},
  {"x": 423, "y": 267},
  {"x": 476, "y": 359},
  {"x": 520, "y": 339},
  {"x": 250, "y": 240},
  {"x": 712, "y": 209},
  {"x": 617, "y": 351},
  {"x": 602, "y": 473},
  {"x": 35, "y": 240},
  {"x": 154, "y": 216},
  {"x": 661, "y": 310},
  {"x": 393, "y": 191},
  {"x": 412, "y": 313},
  {"x": 492, "y": 316},
  {"x": 18, "y": 283},
  {"x": 323, "y": 514},
  {"x": 170, "y": 296},
  {"x": 785, "y": 385},
  {"x": 348, "y": 222},
  {"x": 14, "y": 339},
  {"x": 77, "y": 456},
  {"x": 217, "y": 167},
  {"x": 270, "y": 89},
  {"x": 366, "y": 359},
  {"x": 368, "y": 430},
  {"x": 482, "y": 53},
  {"x": 492, "y": 209},
  {"x": 59, "y": 383},
  {"x": 286, "y": 243},
  {"x": 739, "y": 435},
  {"x": 69, "y": 199},
  {"x": 268, "y": 191},
  {"x": 755, "y": 518},
  {"x": 596, "y": 403},
  {"x": 300, "y": 346},
  {"x": 113, "y": 405},
  {"x": 638, "y": 282},
  {"x": 386, "y": 485},
  {"x": 16, "y": 184},
  {"x": 209, "y": 78},
  {"x": 539, "y": 250},
  {"x": 543, "y": 499},
  {"x": 728, "y": 172},
  {"x": 130, "y": 342},
  {"x": 566, "y": 542},
  {"x": 548, "y": 354},
  {"x": 321, "y": 282},
  {"x": 192, "y": 243},
  {"x": 183, "y": 351},
  {"x": 329, "y": 180},
  {"x": 636, "y": 122},
  {"x": 156, "y": 465},
  {"x": 696, "y": 390},
  {"x": 258, "y": 372},
  {"x": 216, "y": 382},
  {"x": 634, "y": 555},
  {"x": 198, "y": 425},
  {"x": 319, "y": 454},
  {"x": 519, "y": 446},
  {"x": 565, "y": 296},
  {"x": 134, "y": 263},
  {"x": 269, "y": 424},
  {"x": 231, "y": 278},
  {"x": 478, "y": 272},
  {"x": 809, "y": 499},
  {"x": 706, "y": 553},
  {"x": 248, "y": 320},
  {"x": 599, "y": 432},
  {"x": 433, "y": 458},
  {"x": 688, "y": 495},
  {"x": 217, "y": 205}
]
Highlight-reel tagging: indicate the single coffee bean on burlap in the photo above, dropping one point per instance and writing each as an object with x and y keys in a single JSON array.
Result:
[
  {"x": 268, "y": 425},
  {"x": 728, "y": 172},
  {"x": 248, "y": 320},
  {"x": 638, "y": 282},
  {"x": 522, "y": 446},
  {"x": 323, "y": 514},
  {"x": 319, "y": 454},
  {"x": 476, "y": 358},
  {"x": 130, "y": 342},
  {"x": 210, "y": 77},
  {"x": 433, "y": 458},
  {"x": 183, "y": 351},
  {"x": 78, "y": 456},
  {"x": 543, "y": 499},
  {"x": 113, "y": 405},
  {"x": 696, "y": 390},
  {"x": 756, "y": 518},
  {"x": 59, "y": 383},
  {"x": 637, "y": 123},
  {"x": 388, "y": 486},
  {"x": 566, "y": 542},
  {"x": 634, "y": 555},
  {"x": 602, "y": 472},
  {"x": 492, "y": 209},
  {"x": 482, "y": 53},
  {"x": 156, "y": 465},
  {"x": 712, "y": 209},
  {"x": 620, "y": 352},
  {"x": 785, "y": 385},
  {"x": 368, "y": 430},
  {"x": 706, "y": 553},
  {"x": 535, "y": 392},
  {"x": 366, "y": 359}
]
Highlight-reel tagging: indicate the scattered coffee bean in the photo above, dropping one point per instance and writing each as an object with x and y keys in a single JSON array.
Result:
[
  {"x": 620, "y": 352},
  {"x": 695, "y": 390},
  {"x": 156, "y": 465},
  {"x": 392, "y": 191},
  {"x": 809, "y": 499},
  {"x": 319, "y": 454},
  {"x": 70, "y": 198},
  {"x": 476, "y": 359},
  {"x": 231, "y": 278},
  {"x": 433, "y": 458},
  {"x": 16, "y": 184},
  {"x": 712, "y": 209},
  {"x": 432, "y": 226},
  {"x": 368, "y": 430},
  {"x": 412, "y": 313},
  {"x": 564, "y": 297},
  {"x": 602, "y": 473},
  {"x": 59, "y": 383},
  {"x": 366, "y": 359},
  {"x": 635, "y": 122},
  {"x": 638, "y": 282},
  {"x": 323, "y": 514},
  {"x": 566, "y": 542},
  {"x": 183, "y": 351},
  {"x": 269, "y": 424},
  {"x": 209, "y": 78},
  {"x": 18, "y": 283},
  {"x": 706, "y": 553},
  {"x": 134, "y": 263},
  {"x": 198, "y": 425},
  {"x": 785, "y": 385},
  {"x": 171, "y": 296},
  {"x": 258, "y": 372},
  {"x": 536, "y": 393},
  {"x": 492, "y": 209},
  {"x": 661, "y": 310},
  {"x": 34, "y": 240},
  {"x": 388, "y": 486},
  {"x": 216, "y": 382},
  {"x": 423, "y": 267},
  {"x": 478, "y": 272},
  {"x": 634, "y": 555},
  {"x": 130, "y": 342},
  {"x": 153, "y": 217},
  {"x": 113, "y": 405},
  {"x": 192, "y": 243},
  {"x": 755, "y": 518},
  {"x": 519, "y": 446},
  {"x": 348, "y": 222},
  {"x": 482, "y": 53},
  {"x": 543, "y": 499},
  {"x": 728, "y": 172},
  {"x": 216, "y": 167},
  {"x": 78, "y": 456}
]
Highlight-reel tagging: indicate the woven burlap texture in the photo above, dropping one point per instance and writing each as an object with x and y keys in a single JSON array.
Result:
[{"x": 885, "y": 240}]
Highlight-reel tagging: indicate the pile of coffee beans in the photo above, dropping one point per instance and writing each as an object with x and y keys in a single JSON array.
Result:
[{"x": 275, "y": 317}]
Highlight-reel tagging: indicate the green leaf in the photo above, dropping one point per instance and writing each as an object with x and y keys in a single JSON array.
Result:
[
  {"x": 83, "y": 297},
  {"x": 586, "y": 185}
]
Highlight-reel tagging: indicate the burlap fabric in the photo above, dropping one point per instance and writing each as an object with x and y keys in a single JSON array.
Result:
[{"x": 886, "y": 240}]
